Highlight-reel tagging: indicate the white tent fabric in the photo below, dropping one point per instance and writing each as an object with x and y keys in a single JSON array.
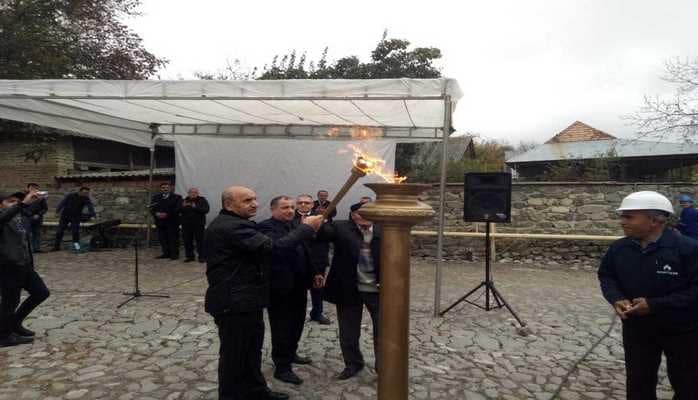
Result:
[
  {"x": 273, "y": 167},
  {"x": 126, "y": 111}
]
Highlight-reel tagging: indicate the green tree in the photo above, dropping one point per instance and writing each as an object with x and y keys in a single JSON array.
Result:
[{"x": 53, "y": 39}]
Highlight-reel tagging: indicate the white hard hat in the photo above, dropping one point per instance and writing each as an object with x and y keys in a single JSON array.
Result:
[{"x": 646, "y": 200}]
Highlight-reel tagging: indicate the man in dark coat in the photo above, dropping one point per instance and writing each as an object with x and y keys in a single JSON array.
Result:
[
  {"x": 17, "y": 269},
  {"x": 320, "y": 252},
  {"x": 237, "y": 259},
  {"x": 353, "y": 283},
  {"x": 165, "y": 207},
  {"x": 71, "y": 211},
  {"x": 321, "y": 204},
  {"x": 292, "y": 273},
  {"x": 650, "y": 277},
  {"x": 36, "y": 220},
  {"x": 194, "y": 210}
]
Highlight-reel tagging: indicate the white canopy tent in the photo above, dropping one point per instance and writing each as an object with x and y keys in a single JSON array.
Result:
[{"x": 142, "y": 112}]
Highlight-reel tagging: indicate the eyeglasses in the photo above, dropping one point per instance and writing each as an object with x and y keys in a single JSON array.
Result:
[{"x": 304, "y": 202}]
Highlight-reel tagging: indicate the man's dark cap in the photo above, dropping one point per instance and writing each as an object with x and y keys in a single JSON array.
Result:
[
  {"x": 355, "y": 207},
  {"x": 18, "y": 195}
]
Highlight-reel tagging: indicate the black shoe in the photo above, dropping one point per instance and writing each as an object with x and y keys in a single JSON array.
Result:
[
  {"x": 189, "y": 259},
  {"x": 301, "y": 360},
  {"x": 38, "y": 251},
  {"x": 288, "y": 377},
  {"x": 322, "y": 320},
  {"x": 162, "y": 256},
  {"x": 55, "y": 248},
  {"x": 22, "y": 331},
  {"x": 349, "y": 372},
  {"x": 174, "y": 258},
  {"x": 202, "y": 260},
  {"x": 15, "y": 340},
  {"x": 271, "y": 395}
]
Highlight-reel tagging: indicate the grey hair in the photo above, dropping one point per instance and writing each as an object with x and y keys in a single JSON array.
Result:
[{"x": 226, "y": 195}]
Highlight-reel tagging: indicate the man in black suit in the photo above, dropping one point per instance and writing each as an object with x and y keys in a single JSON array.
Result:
[
  {"x": 194, "y": 210},
  {"x": 238, "y": 291},
  {"x": 291, "y": 274},
  {"x": 165, "y": 208},
  {"x": 321, "y": 204},
  {"x": 36, "y": 220},
  {"x": 320, "y": 252},
  {"x": 353, "y": 283}
]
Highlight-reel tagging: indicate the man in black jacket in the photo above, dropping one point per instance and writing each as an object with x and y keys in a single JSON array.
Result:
[
  {"x": 194, "y": 210},
  {"x": 650, "y": 277},
  {"x": 291, "y": 273},
  {"x": 36, "y": 220},
  {"x": 237, "y": 259},
  {"x": 17, "y": 269},
  {"x": 165, "y": 208},
  {"x": 353, "y": 283},
  {"x": 321, "y": 204},
  {"x": 320, "y": 252},
  {"x": 71, "y": 211}
]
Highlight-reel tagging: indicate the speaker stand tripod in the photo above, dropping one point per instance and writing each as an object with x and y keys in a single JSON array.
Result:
[
  {"x": 137, "y": 291},
  {"x": 491, "y": 292}
]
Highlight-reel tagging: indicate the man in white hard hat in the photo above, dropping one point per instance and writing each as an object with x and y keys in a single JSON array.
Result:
[{"x": 651, "y": 279}]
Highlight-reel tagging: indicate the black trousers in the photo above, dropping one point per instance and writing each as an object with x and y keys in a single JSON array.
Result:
[
  {"x": 35, "y": 232},
  {"x": 286, "y": 319},
  {"x": 168, "y": 236},
  {"x": 240, "y": 363},
  {"x": 11, "y": 285},
  {"x": 316, "y": 300},
  {"x": 349, "y": 317},
  {"x": 63, "y": 223},
  {"x": 193, "y": 232},
  {"x": 644, "y": 345}
]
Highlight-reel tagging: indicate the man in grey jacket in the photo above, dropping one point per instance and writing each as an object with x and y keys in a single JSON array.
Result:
[{"x": 17, "y": 269}]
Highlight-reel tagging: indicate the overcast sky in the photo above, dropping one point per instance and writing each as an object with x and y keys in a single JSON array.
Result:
[{"x": 527, "y": 68}]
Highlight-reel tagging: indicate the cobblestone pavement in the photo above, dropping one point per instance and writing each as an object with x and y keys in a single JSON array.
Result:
[{"x": 166, "y": 348}]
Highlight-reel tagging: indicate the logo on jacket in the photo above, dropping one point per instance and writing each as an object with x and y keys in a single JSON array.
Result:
[{"x": 666, "y": 270}]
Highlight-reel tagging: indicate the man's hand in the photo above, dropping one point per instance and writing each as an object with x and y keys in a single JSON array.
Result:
[
  {"x": 30, "y": 197},
  {"x": 36, "y": 217},
  {"x": 622, "y": 307},
  {"x": 319, "y": 281},
  {"x": 639, "y": 307},
  {"x": 161, "y": 215},
  {"x": 314, "y": 221}
]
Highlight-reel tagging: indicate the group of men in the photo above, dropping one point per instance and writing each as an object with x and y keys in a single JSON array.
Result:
[
  {"x": 170, "y": 212},
  {"x": 271, "y": 265}
]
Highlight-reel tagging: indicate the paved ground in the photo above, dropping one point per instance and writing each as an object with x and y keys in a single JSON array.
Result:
[{"x": 166, "y": 348}]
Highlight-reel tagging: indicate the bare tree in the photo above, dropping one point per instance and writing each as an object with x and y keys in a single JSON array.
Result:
[{"x": 663, "y": 118}]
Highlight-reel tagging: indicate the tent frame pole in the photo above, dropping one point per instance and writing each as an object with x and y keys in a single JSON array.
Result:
[
  {"x": 154, "y": 131},
  {"x": 442, "y": 204}
]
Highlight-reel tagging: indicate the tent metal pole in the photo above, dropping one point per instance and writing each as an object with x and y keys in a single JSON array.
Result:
[
  {"x": 154, "y": 129},
  {"x": 442, "y": 204}
]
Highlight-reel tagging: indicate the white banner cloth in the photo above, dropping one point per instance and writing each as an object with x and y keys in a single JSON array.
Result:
[{"x": 273, "y": 167}]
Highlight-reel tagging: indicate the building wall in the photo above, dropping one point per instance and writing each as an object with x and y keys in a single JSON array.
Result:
[{"x": 16, "y": 171}]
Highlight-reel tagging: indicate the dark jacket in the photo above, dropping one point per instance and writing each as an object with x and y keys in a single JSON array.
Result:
[
  {"x": 39, "y": 207},
  {"x": 665, "y": 273},
  {"x": 170, "y": 205},
  {"x": 238, "y": 263},
  {"x": 288, "y": 267},
  {"x": 319, "y": 250},
  {"x": 341, "y": 286},
  {"x": 72, "y": 205},
  {"x": 195, "y": 211},
  {"x": 688, "y": 224},
  {"x": 14, "y": 238},
  {"x": 316, "y": 205}
]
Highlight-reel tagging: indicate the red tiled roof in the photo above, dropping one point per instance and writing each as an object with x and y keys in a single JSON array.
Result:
[{"x": 579, "y": 132}]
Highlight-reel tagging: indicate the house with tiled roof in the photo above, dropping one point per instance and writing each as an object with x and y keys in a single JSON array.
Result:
[{"x": 582, "y": 152}]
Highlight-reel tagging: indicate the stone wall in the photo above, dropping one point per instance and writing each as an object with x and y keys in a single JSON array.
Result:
[{"x": 543, "y": 207}]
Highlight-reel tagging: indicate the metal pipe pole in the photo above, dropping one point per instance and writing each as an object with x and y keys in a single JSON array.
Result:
[
  {"x": 442, "y": 204},
  {"x": 154, "y": 132}
]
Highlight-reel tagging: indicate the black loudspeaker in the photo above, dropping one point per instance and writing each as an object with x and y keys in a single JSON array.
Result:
[{"x": 487, "y": 197}]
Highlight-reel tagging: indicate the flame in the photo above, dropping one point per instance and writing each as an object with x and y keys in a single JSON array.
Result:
[
  {"x": 373, "y": 165},
  {"x": 357, "y": 132}
]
